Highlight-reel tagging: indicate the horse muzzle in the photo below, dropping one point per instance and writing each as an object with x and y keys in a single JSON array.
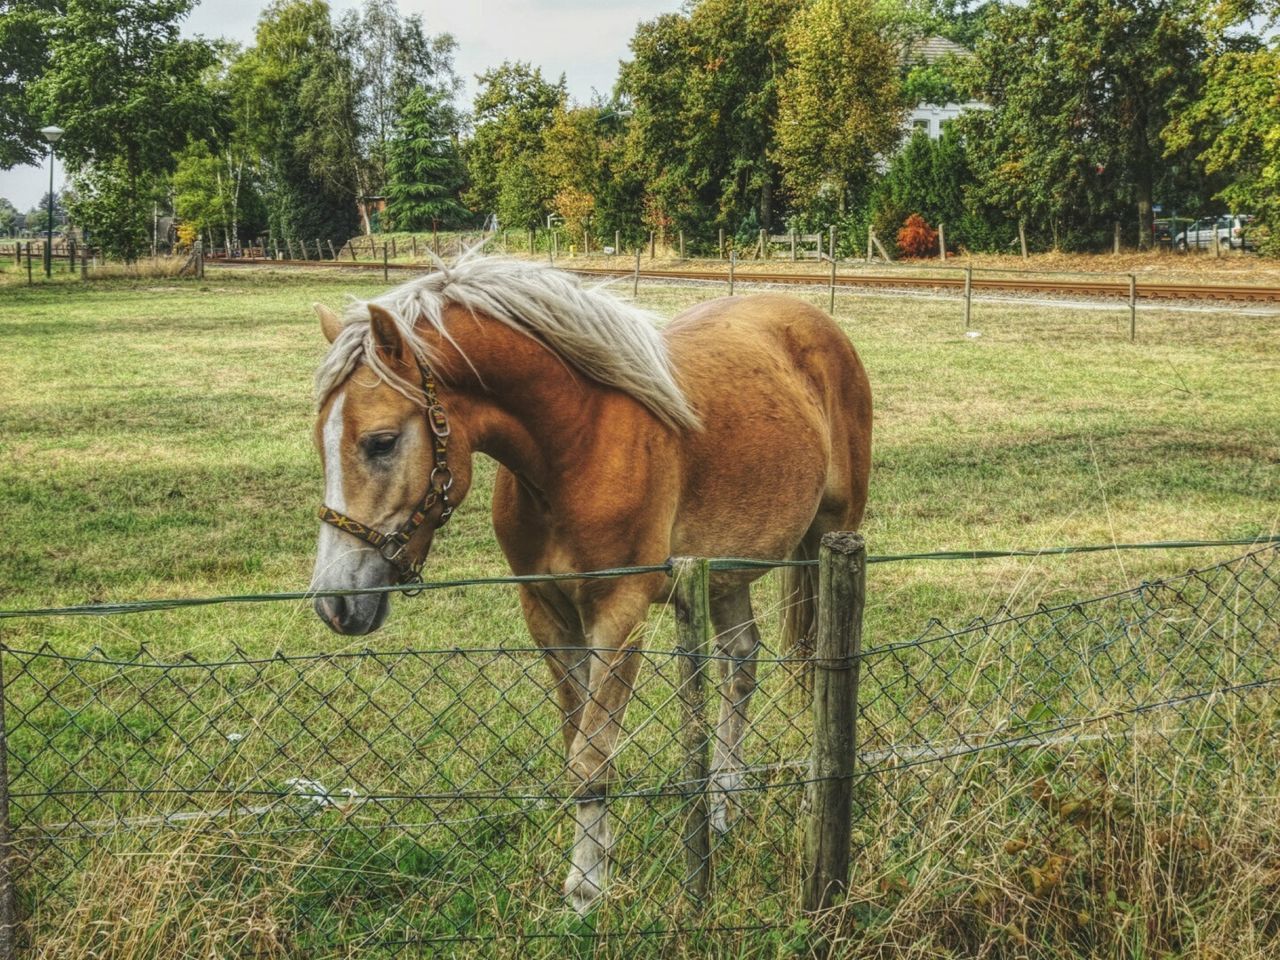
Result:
[{"x": 354, "y": 615}]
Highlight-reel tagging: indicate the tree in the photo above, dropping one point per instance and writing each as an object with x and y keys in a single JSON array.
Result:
[
  {"x": 24, "y": 54},
  {"x": 703, "y": 85},
  {"x": 840, "y": 103},
  {"x": 298, "y": 86},
  {"x": 9, "y": 218},
  {"x": 126, "y": 88},
  {"x": 393, "y": 57},
  {"x": 1234, "y": 126},
  {"x": 1080, "y": 91},
  {"x": 424, "y": 167},
  {"x": 513, "y": 106}
]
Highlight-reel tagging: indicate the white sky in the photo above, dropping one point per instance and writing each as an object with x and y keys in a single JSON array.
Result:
[{"x": 583, "y": 39}]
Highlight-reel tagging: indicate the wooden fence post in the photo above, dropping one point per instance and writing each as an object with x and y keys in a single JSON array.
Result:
[
  {"x": 1133, "y": 308},
  {"x": 793, "y": 245},
  {"x": 968, "y": 295},
  {"x": 733, "y": 263},
  {"x": 8, "y": 900},
  {"x": 681, "y": 244},
  {"x": 831, "y": 308},
  {"x": 199, "y": 259},
  {"x": 319, "y": 250},
  {"x": 942, "y": 241},
  {"x": 1022, "y": 237},
  {"x": 764, "y": 244},
  {"x": 385, "y": 276},
  {"x": 635, "y": 280},
  {"x": 842, "y": 566},
  {"x": 720, "y": 247},
  {"x": 29, "y": 280},
  {"x": 333, "y": 254},
  {"x": 693, "y": 639},
  {"x": 617, "y": 243},
  {"x": 652, "y": 247},
  {"x": 1115, "y": 246}
]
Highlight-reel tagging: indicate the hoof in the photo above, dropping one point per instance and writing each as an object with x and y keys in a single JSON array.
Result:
[{"x": 582, "y": 892}]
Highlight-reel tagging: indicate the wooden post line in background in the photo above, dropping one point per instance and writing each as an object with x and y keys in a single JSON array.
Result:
[
  {"x": 842, "y": 569},
  {"x": 693, "y": 639}
]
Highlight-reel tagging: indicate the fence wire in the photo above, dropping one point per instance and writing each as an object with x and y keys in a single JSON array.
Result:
[{"x": 378, "y": 800}]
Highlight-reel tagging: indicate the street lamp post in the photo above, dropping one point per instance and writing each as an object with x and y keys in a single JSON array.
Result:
[{"x": 53, "y": 135}]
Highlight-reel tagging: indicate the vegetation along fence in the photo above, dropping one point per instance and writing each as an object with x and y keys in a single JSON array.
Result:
[{"x": 369, "y": 800}]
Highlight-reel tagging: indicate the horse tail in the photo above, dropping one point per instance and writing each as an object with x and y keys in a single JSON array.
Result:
[{"x": 800, "y": 597}]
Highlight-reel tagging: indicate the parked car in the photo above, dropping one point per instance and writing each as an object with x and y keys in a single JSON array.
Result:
[{"x": 1231, "y": 229}]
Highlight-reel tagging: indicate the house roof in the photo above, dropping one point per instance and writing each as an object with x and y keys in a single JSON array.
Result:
[{"x": 933, "y": 49}]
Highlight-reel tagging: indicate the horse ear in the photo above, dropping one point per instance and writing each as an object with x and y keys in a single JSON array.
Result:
[
  {"x": 387, "y": 339},
  {"x": 330, "y": 322}
]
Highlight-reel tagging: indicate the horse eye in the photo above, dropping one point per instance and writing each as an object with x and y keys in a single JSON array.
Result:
[{"x": 381, "y": 445}]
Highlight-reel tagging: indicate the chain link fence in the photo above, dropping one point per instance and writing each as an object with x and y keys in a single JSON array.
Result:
[{"x": 368, "y": 801}]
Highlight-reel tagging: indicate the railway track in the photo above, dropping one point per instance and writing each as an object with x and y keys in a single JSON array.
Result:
[{"x": 1143, "y": 289}]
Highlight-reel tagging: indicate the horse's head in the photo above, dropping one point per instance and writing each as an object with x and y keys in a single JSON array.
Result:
[{"x": 385, "y": 444}]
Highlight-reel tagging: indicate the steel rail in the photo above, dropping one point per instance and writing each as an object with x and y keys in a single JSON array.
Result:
[{"x": 1146, "y": 290}]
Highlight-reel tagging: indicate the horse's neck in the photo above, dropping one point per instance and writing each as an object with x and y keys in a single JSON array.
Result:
[{"x": 515, "y": 400}]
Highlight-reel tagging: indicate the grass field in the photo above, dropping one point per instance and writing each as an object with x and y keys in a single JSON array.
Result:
[{"x": 154, "y": 441}]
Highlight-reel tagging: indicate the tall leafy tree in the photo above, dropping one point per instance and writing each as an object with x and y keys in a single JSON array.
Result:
[
  {"x": 425, "y": 170},
  {"x": 392, "y": 56},
  {"x": 24, "y": 55},
  {"x": 841, "y": 106},
  {"x": 126, "y": 88},
  {"x": 1080, "y": 92},
  {"x": 300, "y": 82},
  {"x": 1234, "y": 127},
  {"x": 704, "y": 87},
  {"x": 513, "y": 107}
]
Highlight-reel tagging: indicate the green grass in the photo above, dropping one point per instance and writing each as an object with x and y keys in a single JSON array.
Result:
[{"x": 155, "y": 441}]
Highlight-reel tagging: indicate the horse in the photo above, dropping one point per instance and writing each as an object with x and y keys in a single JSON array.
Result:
[{"x": 742, "y": 428}]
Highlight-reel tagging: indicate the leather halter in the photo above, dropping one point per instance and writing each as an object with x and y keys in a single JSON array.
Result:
[{"x": 394, "y": 546}]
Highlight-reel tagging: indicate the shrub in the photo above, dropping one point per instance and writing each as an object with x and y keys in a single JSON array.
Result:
[{"x": 917, "y": 238}]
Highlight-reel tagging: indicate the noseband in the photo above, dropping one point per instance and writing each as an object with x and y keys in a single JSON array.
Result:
[{"x": 394, "y": 546}]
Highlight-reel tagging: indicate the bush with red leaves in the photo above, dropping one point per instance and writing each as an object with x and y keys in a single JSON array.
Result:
[{"x": 917, "y": 238}]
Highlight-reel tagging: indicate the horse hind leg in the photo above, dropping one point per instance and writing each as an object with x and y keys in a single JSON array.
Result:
[{"x": 738, "y": 640}]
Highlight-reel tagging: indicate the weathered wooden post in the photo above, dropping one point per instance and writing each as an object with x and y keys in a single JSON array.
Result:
[
  {"x": 652, "y": 246},
  {"x": 532, "y": 242},
  {"x": 942, "y": 241},
  {"x": 681, "y": 244},
  {"x": 29, "y": 280},
  {"x": 635, "y": 279},
  {"x": 385, "y": 275},
  {"x": 842, "y": 566},
  {"x": 720, "y": 247},
  {"x": 871, "y": 239},
  {"x": 393, "y": 247},
  {"x": 199, "y": 259},
  {"x": 333, "y": 254},
  {"x": 693, "y": 639},
  {"x": 831, "y": 240},
  {"x": 319, "y": 250},
  {"x": 1133, "y": 308},
  {"x": 617, "y": 243},
  {"x": 8, "y": 901},
  {"x": 1022, "y": 237},
  {"x": 733, "y": 263},
  {"x": 555, "y": 244},
  {"x": 1115, "y": 246},
  {"x": 764, "y": 244},
  {"x": 831, "y": 307},
  {"x": 968, "y": 295},
  {"x": 303, "y": 244},
  {"x": 793, "y": 246}
]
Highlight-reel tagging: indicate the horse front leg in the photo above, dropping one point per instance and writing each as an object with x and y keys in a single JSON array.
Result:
[
  {"x": 614, "y": 661},
  {"x": 738, "y": 638}
]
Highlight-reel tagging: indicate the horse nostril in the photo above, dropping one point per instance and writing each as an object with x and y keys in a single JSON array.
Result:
[{"x": 332, "y": 610}]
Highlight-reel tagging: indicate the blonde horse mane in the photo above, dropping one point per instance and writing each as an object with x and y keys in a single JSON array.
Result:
[{"x": 604, "y": 337}]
